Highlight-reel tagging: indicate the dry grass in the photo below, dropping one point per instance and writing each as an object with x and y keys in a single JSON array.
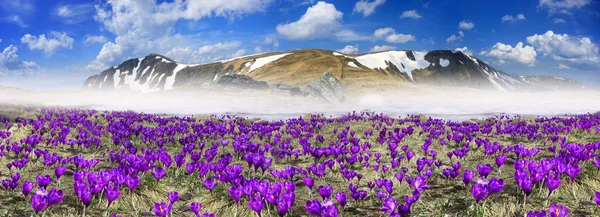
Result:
[{"x": 445, "y": 198}]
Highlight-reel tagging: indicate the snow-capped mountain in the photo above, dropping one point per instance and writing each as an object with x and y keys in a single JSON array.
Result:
[{"x": 448, "y": 68}]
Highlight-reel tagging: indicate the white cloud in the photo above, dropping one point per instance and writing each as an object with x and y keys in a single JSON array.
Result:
[
  {"x": 466, "y": 24},
  {"x": 11, "y": 65},
  {"x": 366, "y": 7},
  {"x": 53, "y": 42},
  {"x": 16, "y": 20},
  {"x": 510, "y": 18},
  {"x": 464, "y": 50},
  {"x": 503, "y": 52},
  {"x": 195, "y": 10},
  {"x": 348, "y": 35},
  {"x": 559, "y": 20},
  {"x": 75, "y": 13},
  {"x": 400, "y": 38},
  {"x": 93, "y": 39},
  {"x": 349, "y": 49},
  {"x": 18, "y": 6},
  {"x": 378, "y": 48},
  {"x": 206, "y": 53},
  {"x": 411, "y": 14},
  {"x": 563, "y": 66},
  {"x": 562, "y": 47},
  {"x": 453, "y": 39},
  {"x": 562, "y": 6},
  {"x": 307, "y": 2},
  {"x": 258, "y": 49},
  {"x": 143, "y": 26},
  {"x": 379, "y": 33},
  {"x": 322, "y": 20}
]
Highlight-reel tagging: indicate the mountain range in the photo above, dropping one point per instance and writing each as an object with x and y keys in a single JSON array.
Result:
[{"x": 378, "y": 70}]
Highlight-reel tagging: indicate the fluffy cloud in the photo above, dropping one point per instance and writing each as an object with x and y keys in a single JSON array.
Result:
[
  {"x": 206, "y": 53},
  {"x": 400, "y": 38},
  {"x": 380, "y": 33},
  {"x": 413, "y": 14},
  {"x": 466, "y": 24},
  {"x": 378, "y": 48},
  {"x": 11, "y": 65},
  {"x": 349, "y": 49},
  {"x": 562, "y": 6},
  {"x": 348, "y": 35},
  {"x": 143, "y": 26},
  {"x": 503, "y": 52},
  {"x": 322, "y": 20},
  {"x": 578, "y": 50},
  {"x": 391, "y": 36},
  {"x": 510, "y": 18},
  {"x": 53, "y": 42},
  {"x": 464, "y": 50},
  {"x": 366, "y": 7},
  {"x": 93, "y": 39},
  {"x": 453, "y": 39}
]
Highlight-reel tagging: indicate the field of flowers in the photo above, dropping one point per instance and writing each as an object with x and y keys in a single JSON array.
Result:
[{"x": 77, "y": 162}]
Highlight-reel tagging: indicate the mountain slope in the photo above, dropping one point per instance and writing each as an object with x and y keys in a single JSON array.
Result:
[{"x": 380, "y": 70}]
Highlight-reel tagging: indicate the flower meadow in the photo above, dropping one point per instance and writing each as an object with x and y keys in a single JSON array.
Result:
[{"x": 78, "y": 162}]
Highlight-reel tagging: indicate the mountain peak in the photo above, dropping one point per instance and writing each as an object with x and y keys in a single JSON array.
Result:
[{"x": 384, "y": 69}]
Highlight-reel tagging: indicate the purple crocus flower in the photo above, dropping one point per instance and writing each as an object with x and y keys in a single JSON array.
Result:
[
  {"x": 112, "y": 193},
  {"x": 173, "y": 196},
  {"x": 342, "y": 200},
  {"x": 43, "y": 181},
  {"x": 195, "y": 207},
  {"x": 389, "y": 205},
  {"x": 558, "y": 210},
  {"x": 484, "y": 169},
  {"x": 313, "y": 207},
  {"x": 479, "y": 191},
  {"x": 500, "y": 160},
  {"x": 420, "y": 183},
  {"x": 325, "y": 191},
  {"x": 495, "y": 185},
  {"x": 38, "y": 202},
  {"x": 309, "y": 182},
  {"x": 256, "y": 203},
  {"x": 55, "y": 197},
  {"x": 158, "y": 173},
  {"x": 541, "y": 213},
  {"x": 210, "y": 184},
  {"x": 468, "y": 176},
  {"x": 161, "y": 209},
  {"x": 27, "y": 186},
  {"x": 59, "y": 171},
  {"x": 329, "y": 209}
]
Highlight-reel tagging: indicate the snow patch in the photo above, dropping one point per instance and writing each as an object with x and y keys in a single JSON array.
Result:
[
  {"x": 398, "y": 58},
  {"x": 352, "y": 64},
  {"x": 260, "y": 62},
  {"x": 444, "y": 62}
]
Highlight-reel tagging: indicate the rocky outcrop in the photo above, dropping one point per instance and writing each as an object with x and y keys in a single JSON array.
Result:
[
  {"x": 326, "y": 87},
  {"x": 241, "y": 81}
]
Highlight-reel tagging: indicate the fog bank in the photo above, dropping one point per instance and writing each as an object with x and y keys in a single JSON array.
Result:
[{"x": 448, "y": 103}]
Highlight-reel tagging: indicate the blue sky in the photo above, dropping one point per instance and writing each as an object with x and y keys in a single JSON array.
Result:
[{"x": 57, "y": 44}]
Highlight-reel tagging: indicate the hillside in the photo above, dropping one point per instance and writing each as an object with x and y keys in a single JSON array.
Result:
[{"x": 373, "y": 71}]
